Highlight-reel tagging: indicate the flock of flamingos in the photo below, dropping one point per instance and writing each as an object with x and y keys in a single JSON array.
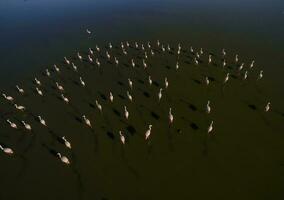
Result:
[{"x": 148, "y": 49}]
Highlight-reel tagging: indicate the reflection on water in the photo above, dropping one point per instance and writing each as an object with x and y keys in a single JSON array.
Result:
[{"x": 242, "y": 156}]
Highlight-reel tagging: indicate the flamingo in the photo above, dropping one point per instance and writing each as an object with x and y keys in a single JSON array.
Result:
[
  {"x": 127, "y": 44},
  {"x": 201, "y": 51},
  {"x": 116, "y": 61},
  {"x": 21, "y": 108},
  {"x": 241, "y": 67},
  {"x": 87, "y": 121},
  {"x": 108, "y": 55},
  {"x": 245, "y": 75},
  {"x": 91, "y": 51},
  {"x": 47, "y": 73},
  {"x": 42, "y": 121},
  {"x": 66, "y": 142},
  {"x": 168, "y": 47},
  {"x": 99, "y": 106},
  {"x": 150, "y": 80},
  {"x": 191, "y": 49},
  {"x": 6, "y": 150},
  {"x": 158, "y": 43},
  {"x": 148, "y": 132},
  {"x": 267, "y": 107},
  {"x": 207, "y": 80},
  {"x": 130, "y": 83},
  {"x": 177, "y": 65},
  {"x": 20, "y": 90},
  {"x": 237, "y": 58},
  {"x": 59, "y": 87},
  {"x": 126, "y": 113},
  {"x": 56, "y": 68},
  {"x": 136, "y": 45},
  {"x": 90, "y": 59},
  {"x": 39, "y": 91},
  {"x": 74, "y": 66},
  {"x": 129, "y": 96},
  {"x": 210, "y": 128},
  {"x": 224, "y": 63},
  {"x": 110, "y": 97},
  {"x": 160, "y": 94},
  {"x": 88, "y": 31},
  {"x": 65, "y": 99},
  {"x": 132, "y": 63},
  {"x": 163, "y": 48},
  {"x": 98, "y": 62},
  {"x": 12, "y": 124},
  {"x": 122, "y": 138},
  {"x": 37, "y": 81},
  {"x": 223, "y": 52},
  {"x": 67, "y": 61},
  {"x": 166, "y": 83},
  {"x": 63, "y": 159},
  {"x": 98, "y": 49},
  {"x": 196, "y": 61},
  {"x": 260, "y": 75},
  {"x": 209, "y": 59},
  {"x": 145, "y": 55},
  {"x": 82, "y": 82},
  {"x": 152, "y": 52},
  {"x": 226, "y": 78},
  {"x": 9, "y": 98},
  {"x": 144, "y": 64},
  {"x": 79, "y": 56},
  {"x": 252, "y": 64},
  {"x": 171, "y": 117},
  {"x": 27, "y": 126},
  {"x": 208, "y": 108}
]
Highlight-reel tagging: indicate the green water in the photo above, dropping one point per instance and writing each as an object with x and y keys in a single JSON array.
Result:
[{"x": 243, "y": 158}]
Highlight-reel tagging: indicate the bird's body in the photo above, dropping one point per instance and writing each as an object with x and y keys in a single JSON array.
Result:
[
  {"x": 63, "y": 159},
  {"x": 126, "y": 113},
  {"x": 160, "y": 94},
  {"x": 82, "y": 82},
  {"x": 59, "y": 87},
  {"x": 65, "y": 99},
  {"x": 66, "y": 142},
  {"x": 47, "y": 72},
  {"x": 130, "y": 83},
  {"x": 6, "y": 150},
  {"x": 67, "y": 61},
  {"x": 226, "y": 78},
  {"x": 21, "y": 108},
  {"x": 99, "y": 106},
  {"x": 260, "y": 75},
  {"x": 12, "y": 124},
  {"x": 148, "y": 132},
  {"x": 87, "y": 121},
  {"x": 74, "y": 66},
  {"x": 56, "y": 68},
  {"x": 207, "y": 80},
  {"x": 129, "y": 96},
  {"x": 110, "y": 97},
  {"x": 166, "y": 83},
  {"x": 20, "y": 90},
  {"x": 208, "y": 108},
  {"x": 42, "y": 121},
  {"x": 39, "y": 91},
  {"x": 150, "y": 80},
  {"x": 9, "y": 98},
  {"x": 27, "y": 126},
  {"x": 210, "y": 128},
  {"x": 171, "y": 117},
  {"x": 79, "y": 56},
  {"x": 37, "y": 82},
  {"x": 267, "y": 107},
  {"x": 122, "y": 138}
]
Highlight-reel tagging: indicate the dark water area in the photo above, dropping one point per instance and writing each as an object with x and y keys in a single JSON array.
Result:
[{"x": 242, "y": 158}]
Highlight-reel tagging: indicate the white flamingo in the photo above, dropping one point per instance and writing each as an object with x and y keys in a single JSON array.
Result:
[
  {"x": 210, "y": 128},
  {"x": 56, "y": 68},
  {"x": 99, "y": 106},
  {"x": 226, "y": 78},
  {"x": 98, "y": 62},
  {"x": 27, "y": 126},
  {"x": 129, "y": 96},
  {"x": 208, "y": 108},
  {"x": 267, "y": 107},
  {"x": 67, "y": 61},
  {"x": 207, "y": 80},
  {"x": 241, "y": 67},
  {"x": 90, "y": 59},
  {"x": 20, "y": 90},
  {"x": 63, "y": 159},
  {"x": 88, "y": 31},
  {"x": 252, "y": 64},
  {"x": 209, "y": 59},
  {"x": 47, "y": 73},
  {"x": 148, "y": 132},
  {"x": 91, "y": 51},
  {"x": 177, "y": 65},
  {"x": 39, "y": 91},
  {"x": 245, "y": 75},
  {"x": 122, "y": 138},
  {"x": 37, "y": 81},
  {"x": 126, "y": 113},
  {"x": 42, "y": 121},
  {"x": 12, "y": 124},
  {"x": 116, "y": 60},
  {"x": 223, "y": 52},
  {"x": 110, "y": 97},
  {"x": 166, "y": 83},
  {"x": 9, "y": 98},
  {"x": 6, "y": 150},
  {"x": 74, "y": 66},
  {"x": 65, "y": 99},
  {"x": 260, "y": 75},
  {"x": 21, "y": 108},
  {"x": 144, "y": 64},
  {"x": 82, "y": 82},
  {"x": 132, "y": 63},
  {"x": 98, "y": 48},
  {"x": 87, "y": 121},
  {"x": 79, "y": 56},
  {"x": 66, "y": 142},
  {"x": 150, "y": 80},
  {"x": 130, "y": 83},
  {"x": 108, "y": 55},
  {"x": 171, "y": 117},
  {"x": 237, "y": 58},
  {"x": 160, "y": 94},
  {"x": 59, "y": 87}
]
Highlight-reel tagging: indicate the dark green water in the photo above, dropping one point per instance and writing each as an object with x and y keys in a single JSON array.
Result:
[{"x": 243, "y": 158}]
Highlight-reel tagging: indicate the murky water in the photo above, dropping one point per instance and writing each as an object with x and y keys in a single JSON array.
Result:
[{"x": 243, "y": 158}]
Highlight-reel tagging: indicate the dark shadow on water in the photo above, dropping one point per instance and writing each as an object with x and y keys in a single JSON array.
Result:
[
  {"x": 197, "y": 81},
  {"x": 155, "y": 115},
  {"x": 116, "y": 112},
  {"x": 194, "y": 126},
  {"x": 156, "y": 83},
  {"x": 110, "y": 135},
  {"x": 120, "y": 96},
  {"x": 251, "y": 106},
  {"x": 192, "y": 107},
  {"x": 131, "y": 129},
  {"x": 146, "y": 94}
]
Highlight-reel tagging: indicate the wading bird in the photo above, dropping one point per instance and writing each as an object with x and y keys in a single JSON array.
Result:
[
  {"x": 148, "y": 132},
  {"x": 63, "y": 159},
  {"x": 21, "y": 108},
  {"x": 20, "y": 90},
  {"x": 9, "y": 98},
  {"x": 126, "y": 113},
  {"x": 208, "y": 108},
  {"x": 87, "y": 121},
  {"x": 267, "y": 107},
  {"x": 66, "y": 142},
  {"x": 6, "y": 150},
  {"x": 12, "y": 124},
  {"x": 210, "y": 128},
  {"x": 122, "y": 138},
  {"x": 27, "y": 126},
  {"x": 171, "y": 117},
  {"x": 42, "y": 121}
]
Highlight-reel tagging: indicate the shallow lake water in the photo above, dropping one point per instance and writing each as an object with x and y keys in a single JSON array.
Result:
[{"x": 242, "y": 158}]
